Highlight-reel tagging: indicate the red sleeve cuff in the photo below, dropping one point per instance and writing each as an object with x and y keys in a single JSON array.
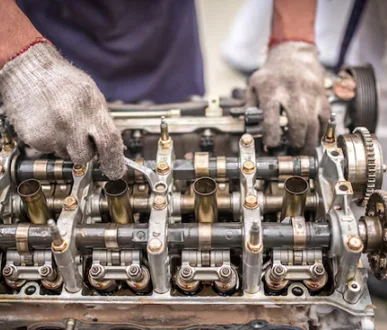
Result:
[{"x": 38, "y": 40}]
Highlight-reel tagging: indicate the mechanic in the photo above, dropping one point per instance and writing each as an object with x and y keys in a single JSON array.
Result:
[{"x": 139, "y": 50}]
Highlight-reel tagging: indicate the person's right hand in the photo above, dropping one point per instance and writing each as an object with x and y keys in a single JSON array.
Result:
[
  {"x": 292, "y": 78},
  {"x": 57, "y": 108}
]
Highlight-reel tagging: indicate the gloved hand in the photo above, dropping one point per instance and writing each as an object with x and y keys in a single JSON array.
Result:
[
  {"x": 56, "y": 107},
  {"x": 293, "y": 78}
]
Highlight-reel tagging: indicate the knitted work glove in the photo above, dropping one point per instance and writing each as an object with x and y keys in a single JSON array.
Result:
[
  {"x": 57, "y": 108},
  {"x": 293, "y": 78}
]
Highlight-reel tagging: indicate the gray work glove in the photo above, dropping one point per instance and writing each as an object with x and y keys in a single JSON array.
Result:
[
  {"x": 293, "y": 78},
  {"x": 57, "y": 108}
]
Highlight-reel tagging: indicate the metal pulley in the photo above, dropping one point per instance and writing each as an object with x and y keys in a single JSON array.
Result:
[{"x": 363, "y": 108}]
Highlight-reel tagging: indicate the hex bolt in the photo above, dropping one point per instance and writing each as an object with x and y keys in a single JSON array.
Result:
[
  {"x": 186, "y": 273},
  {"x": 159, "y": 202},
  {"x": 55, "y": 234},
  {"x": 135, "y": 272},
  {"x": 45, "y": 271},
  {"x": 79, "y": 169},
  {"x": 8, "y": 270},
  {"x": 278, "y": 271},
  {"x": 155, "y": 245},
  {"x": 318, "y": 270},
  {"x": 163, "y": 168},
  {"x": 248, "y": 167},
  {"x": 225, "y": 272},
  {"x": 96, "y": 271},
  {"x": 70, "y": 203},
  {"x": 251, "y": 202},
  {"x": 247, "y": 140},
  {"x": 355, "y": 244}
]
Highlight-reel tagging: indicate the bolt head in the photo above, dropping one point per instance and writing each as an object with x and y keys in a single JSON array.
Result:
[
  {"x": 248, "y": 167},
  {"x": 8, "y": 270},
  {"x": 79, "y": 169},
  {"x": 355, "y": 244},
  {"x": 318, "y": 270},
  {"x": 225, "y": 272},
  {"x": 186, "y": 273},
  {"x": 134, "y": 272},
  {"x": 279, "y": 270},
  {"x": 163, "y": 168},
  {"x": 247, "y": 140},
  {"x": 251, "y": 202},
  {"x": 70, "y": 203},
  {"x": 45, "y": 271},
  {"x": 159, "y": 202},
  {"x": 96, "y": 270},
  {"x": 155, "y": 245}
]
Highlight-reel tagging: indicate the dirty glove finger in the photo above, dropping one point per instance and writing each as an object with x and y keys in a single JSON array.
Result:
[
  {"x": 80, "y": 149},
  {"x": 324, "y": 113},
  {"x": 271, "y": 117},
  {"x": 110, "y": 148},
  {"x": 298, "y": 124},
  {"x": 252, "y": 96},
  {"x": 312, "y": 137}
]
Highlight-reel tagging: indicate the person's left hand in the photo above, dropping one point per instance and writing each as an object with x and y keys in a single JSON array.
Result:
[{"x": 291, "y": 78}]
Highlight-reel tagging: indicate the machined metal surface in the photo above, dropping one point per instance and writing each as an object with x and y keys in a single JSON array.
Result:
[{"x": 269, "y": 242}]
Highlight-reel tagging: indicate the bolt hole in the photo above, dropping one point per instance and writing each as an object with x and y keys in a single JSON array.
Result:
[
  {"x": 258, "y": 324},
  {"x": 343, "y": 187},
  {"x": 335, "y": 153},
  {"x": 161, "y": 187},
  {"x": 354, "y": 286},
  {"x": 30, "y": 290},
  {"x": 298, "y": 291}
]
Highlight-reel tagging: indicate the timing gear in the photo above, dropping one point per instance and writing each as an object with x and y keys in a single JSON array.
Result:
[{"x": 363, "y": 166}]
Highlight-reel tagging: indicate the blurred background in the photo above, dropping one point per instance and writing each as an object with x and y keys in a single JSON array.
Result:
[{"x": 216, "y": 19}]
